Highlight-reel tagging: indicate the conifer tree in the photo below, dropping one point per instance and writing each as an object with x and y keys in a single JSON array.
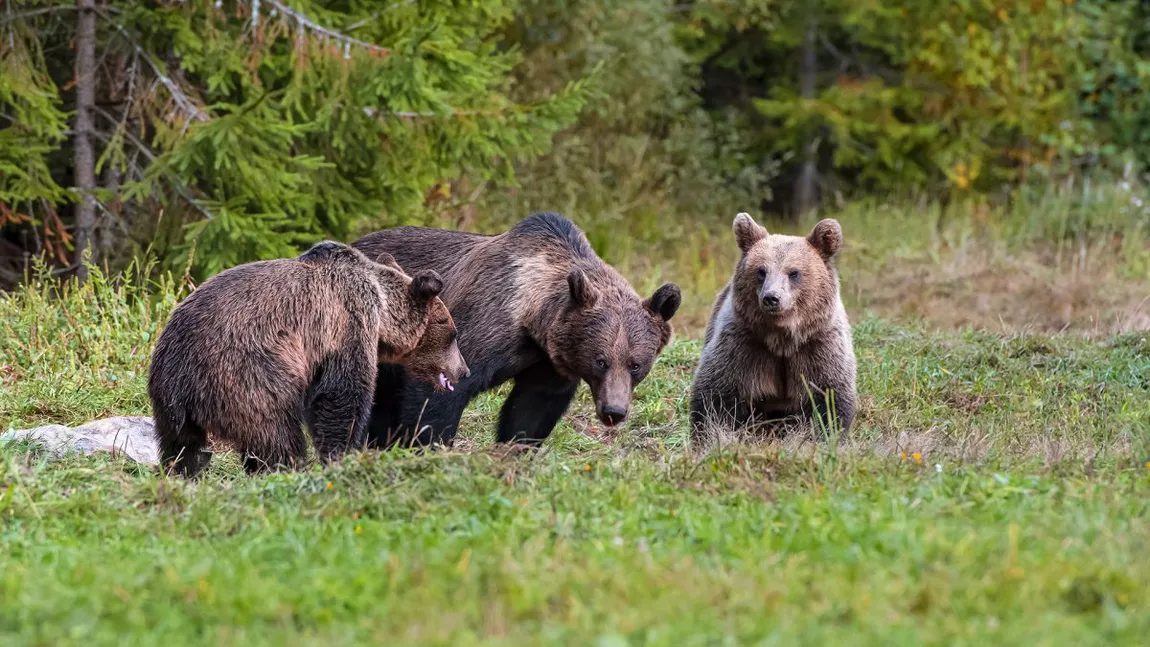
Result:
[{"x": 249, "y": 128}]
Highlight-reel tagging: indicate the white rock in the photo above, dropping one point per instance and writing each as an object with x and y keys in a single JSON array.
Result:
[{"x": 131, "y": 436}]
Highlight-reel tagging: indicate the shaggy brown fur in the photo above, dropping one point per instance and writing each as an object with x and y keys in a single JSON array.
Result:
[
  {"x": 534, "y": 305},
  {"x": 778, "y": 337},
  {"x": 262, "y": 348}
]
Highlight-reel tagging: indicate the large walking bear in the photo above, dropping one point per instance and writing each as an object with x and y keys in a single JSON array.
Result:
[{"x": 534, "y": 305}]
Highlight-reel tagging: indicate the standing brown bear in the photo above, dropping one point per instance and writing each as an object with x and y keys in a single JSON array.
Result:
[
  {"x": 778, "y": 343},
  {"x": 262, "y": 348},
  {"x": 534, "y": 305}
]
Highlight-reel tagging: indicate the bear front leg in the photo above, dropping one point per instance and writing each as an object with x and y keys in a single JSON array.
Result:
[
  {"x": 837, "y": 400},
  {"x": 340, "y": 406},
  {"x": 275, "y": 446},
  {"x": 715, "y": 409},
  {"x": 537, "y": 402}
]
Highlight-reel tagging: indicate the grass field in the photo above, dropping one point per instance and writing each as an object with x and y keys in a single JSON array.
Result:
[{"x": 996, "y": 490}]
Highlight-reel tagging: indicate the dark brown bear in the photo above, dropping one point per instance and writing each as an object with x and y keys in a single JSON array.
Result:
[
  {"x": 260, "y": 349},
  {"x": 534, "y": 305},
  {"x": 778, "y": 343}
]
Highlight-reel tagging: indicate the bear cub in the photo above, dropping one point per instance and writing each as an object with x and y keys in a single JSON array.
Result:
[
  {"x": 261, "y": 349},
  {"x": 778, "y": 344}
]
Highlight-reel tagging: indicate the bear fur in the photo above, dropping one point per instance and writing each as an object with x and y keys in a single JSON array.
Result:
[
  {"x": 778, "y": 342},
  {"x": 534, "y": 305},
  {"x": 260, "y": 349}
]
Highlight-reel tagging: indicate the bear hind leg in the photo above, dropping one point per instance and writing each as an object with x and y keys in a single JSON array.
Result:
[
  {"x": 384, "y": 426},
  {"x": 181, "y": 447},
  {"x": 429, "y": 417}
]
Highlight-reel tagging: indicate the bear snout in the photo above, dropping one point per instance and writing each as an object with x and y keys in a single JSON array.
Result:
[
  {"x": 458, "y": 369},
  {"x": 774, "y": 299},
  {"x": 612, "y": 414}
]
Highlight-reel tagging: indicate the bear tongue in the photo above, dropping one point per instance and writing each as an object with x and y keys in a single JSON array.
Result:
[{"x": 445, "y": 383}]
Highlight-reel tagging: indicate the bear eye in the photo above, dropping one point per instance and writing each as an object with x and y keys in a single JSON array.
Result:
[
  {"x": 601, "y": 364},
  {"x": 635, "y": 368},
  {"x": 762, "y": 273},
  {"x": 794, "y": 274}
]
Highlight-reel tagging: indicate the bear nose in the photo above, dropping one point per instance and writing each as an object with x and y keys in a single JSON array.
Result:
[
  {"x": 613, "y": 414},
  {"x": 771, "y": 300}
]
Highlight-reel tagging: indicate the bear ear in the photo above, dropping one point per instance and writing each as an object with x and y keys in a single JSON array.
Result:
[
  {"x": 582, "y": 294},
  {"x": 426, "y": 285},
  {"x": 665, "y": 302},
  {"x": 387, "y": 259},
  {"x": 747, "y": 231},
  {"x": 827, "y": 237}
]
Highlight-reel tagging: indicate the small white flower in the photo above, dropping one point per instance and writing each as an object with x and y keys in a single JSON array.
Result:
[
  {"x": 938, "y": 467},
  {"x": 1137, "y": 202},
  {"x": 618, "y": 541},
  {"x": 1125, "y": 186}
]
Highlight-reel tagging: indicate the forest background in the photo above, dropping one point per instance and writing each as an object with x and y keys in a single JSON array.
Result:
[{"x": 950, "y": 138}]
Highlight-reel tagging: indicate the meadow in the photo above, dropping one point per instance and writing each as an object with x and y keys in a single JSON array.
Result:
[{"x": 995, "y": 489}]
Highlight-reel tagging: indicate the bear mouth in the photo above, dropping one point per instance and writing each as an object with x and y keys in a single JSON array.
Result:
[
  {"x": 445, "y": 383},
  {"x": 775, "y": 312}
]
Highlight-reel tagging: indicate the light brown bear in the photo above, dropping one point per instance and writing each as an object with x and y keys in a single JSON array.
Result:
[
  {"x": 778, "y": 344},
  {"x": 261, "y": 349}
]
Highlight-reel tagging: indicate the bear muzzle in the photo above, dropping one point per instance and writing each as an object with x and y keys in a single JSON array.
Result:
[
  {"x": 774, "y": 299},
  {"x": 612, "y": 414},
  {"x": 455, "y": 372}
]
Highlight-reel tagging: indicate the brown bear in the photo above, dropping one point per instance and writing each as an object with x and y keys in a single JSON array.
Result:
[
  {"x": 778, "y": 344},
  {"x": 534, "y": 305},
  {"x": 262, "y": 348}
]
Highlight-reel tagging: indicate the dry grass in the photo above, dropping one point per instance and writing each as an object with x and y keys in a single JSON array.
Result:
[{"x": 950, "y": 269}]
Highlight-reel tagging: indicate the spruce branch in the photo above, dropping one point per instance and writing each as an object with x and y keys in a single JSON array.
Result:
[
  {"x": 306, "y": 23},
  {"x": 140, "y": 146},
  {"x": 179, "y": 97}
]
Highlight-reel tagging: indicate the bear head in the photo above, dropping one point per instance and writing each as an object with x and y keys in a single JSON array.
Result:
[
  {"x": 437, "y": 359},
  {"x": 433, "y": 356},
  {"x": 785, "y": 282},
  {"x": 609, "y": 337}
]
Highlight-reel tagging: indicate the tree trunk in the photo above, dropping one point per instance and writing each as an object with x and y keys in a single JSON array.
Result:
[
  {"x": 806, "y": 187},
  {"x": 84, "y": 158},
  {"x": 105, "y": 233}
]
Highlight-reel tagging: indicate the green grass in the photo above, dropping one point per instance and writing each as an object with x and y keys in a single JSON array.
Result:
[{"x": 996, "y": 490}]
